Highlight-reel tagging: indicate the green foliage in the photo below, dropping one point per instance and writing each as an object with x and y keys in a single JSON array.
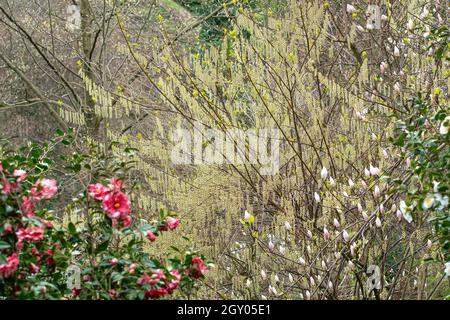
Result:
[
  {"x": 425, "y": 140},
  {"x": 102, "y": 238},
  {"x": 213, "y": 29}
]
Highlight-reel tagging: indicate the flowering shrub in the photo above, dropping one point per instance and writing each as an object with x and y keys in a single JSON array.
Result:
[
  {"x": 106, "y": 243},
  {"x": 424, "y": 141}
]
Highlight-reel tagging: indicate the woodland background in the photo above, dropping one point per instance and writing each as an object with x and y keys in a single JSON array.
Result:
[{"x": 339, "y": 91}]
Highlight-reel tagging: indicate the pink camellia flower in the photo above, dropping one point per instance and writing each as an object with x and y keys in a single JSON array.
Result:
[
  {"x": 49, "y": 261},
  {"x": 19, "y": 246},
  {"x": 126, "y": 221},
  {"x": 7, "y": 228},
  {"x": 116, "y": 204},
  {"x": 143, "y": 280},
  {"x": 113, "y": 262},
  {"x": 6, "y": 188},
  {"x": 172, "y": 285},
  {"x": 31, "y": 234},
  {"x": 47, "y": 224},
  {"x": 34, "y": 268},
  {"x": 151, "y": 236},
  {"x": 172, "y": 223},
  {"x": 11, "y": 266},
  {"x": 76, "y": 292},
  {"x": 155, "y": 293},
  {"x": 176, "y": 275},
  {"x": 49, "y": 188},
  {"x": 112, "y": 293},
  {"x": 98, "y": 191},
  {"x": 20, "y": 175},
  {"x": 198, "y": 269},
  {"x": 157, "y": 276},
  {"x": 116, "y": 185},
  {"x": 44, "y": 189},
  {"x": 35, "y": 252},
  {"x": 27, "y": 207},
  {"x": 132, "y": 268}
]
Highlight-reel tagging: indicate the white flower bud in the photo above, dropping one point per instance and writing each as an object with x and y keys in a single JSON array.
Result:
[
  {"x": 374, "y": 171},
  {"x": 399, "y": 215},
  {"x": 324, "y": 173},
  {"x": 360, "y": 208},
  {"x": 336, "y": 223},
  {"x": 332, "y": 182},
  {"x": 383, "y": 67},
  {"x": 351, "y": 183},
  {"x": 345, "y": 236},
  {"x": 365, "y": 216},
  {"x": 263, "y": 275},
  {"x": 326, "y": 234},
  {"x": 307, "y": 295},
  {"x": 373, "y": 136},
  {"x": 378, "y": 222},
  {"x": 350, "y": 9},
  {"x": 316, "y": 197},
  {"x": 376, "y": 192},
  {"x": 364, "y": 184},
  {"x": 287, "y": 226}
]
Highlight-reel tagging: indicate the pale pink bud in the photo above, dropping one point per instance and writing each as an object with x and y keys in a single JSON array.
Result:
[
  {"x": 326, "y": 234},
  {"x": 316, "y": 197},
  {"x": 351, "y": 183},
  {"x": 336, "y": 223},
  {"x": 360, "y": 208},
  {"x": 378, "y": 222},
  {"x": 345, "y": 236},
  {"x": 324, "y": 173},
  {"x": 376, "y": 192}
]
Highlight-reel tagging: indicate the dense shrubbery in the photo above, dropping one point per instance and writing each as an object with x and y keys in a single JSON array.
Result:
[{"x": 105, "y": 246}]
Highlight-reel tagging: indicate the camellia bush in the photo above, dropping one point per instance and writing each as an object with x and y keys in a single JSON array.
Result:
[{"x": 103, "y": 254}]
